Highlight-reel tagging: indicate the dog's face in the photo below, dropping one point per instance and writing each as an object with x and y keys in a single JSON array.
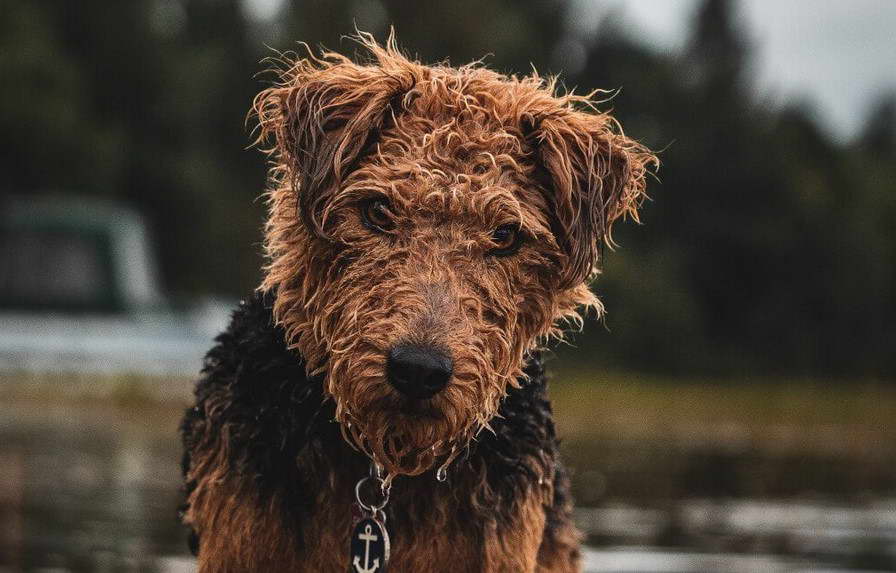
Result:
[{"x": 428, "y": 227}]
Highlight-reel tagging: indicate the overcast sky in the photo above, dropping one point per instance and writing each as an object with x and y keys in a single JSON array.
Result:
[{"x": 839, "y": 55}]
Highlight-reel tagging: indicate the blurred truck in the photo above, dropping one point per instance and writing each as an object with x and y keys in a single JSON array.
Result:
[{"x": 79, "y": 293}]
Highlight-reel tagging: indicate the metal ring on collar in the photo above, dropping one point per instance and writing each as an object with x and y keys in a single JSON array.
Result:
[{"x": 371, "y": 507}]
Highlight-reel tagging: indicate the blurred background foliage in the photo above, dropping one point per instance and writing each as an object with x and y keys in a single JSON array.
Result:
[{"x": 768, "y": 247}]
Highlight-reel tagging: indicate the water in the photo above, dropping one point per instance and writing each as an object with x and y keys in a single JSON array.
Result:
[{"x": 90, "y": 487}]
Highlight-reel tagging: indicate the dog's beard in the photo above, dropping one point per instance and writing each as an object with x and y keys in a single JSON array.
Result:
[
  {"x": 411, "y": 437},
  {"x": 407, "y": 436}
]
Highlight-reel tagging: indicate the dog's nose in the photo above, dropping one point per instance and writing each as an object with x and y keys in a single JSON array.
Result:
[{"x": 418, "y": 371}]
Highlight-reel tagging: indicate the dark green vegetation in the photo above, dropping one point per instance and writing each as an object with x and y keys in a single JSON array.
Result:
[{"x": 768, "y": 247}]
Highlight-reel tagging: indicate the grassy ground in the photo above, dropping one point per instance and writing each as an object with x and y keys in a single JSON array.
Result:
[
  {"x": 96, "y": 389},
  {"x": 777, "y": 416}
]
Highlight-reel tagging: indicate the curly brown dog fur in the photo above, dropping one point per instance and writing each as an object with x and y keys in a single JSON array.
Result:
[{"x": 455, "y": 209}]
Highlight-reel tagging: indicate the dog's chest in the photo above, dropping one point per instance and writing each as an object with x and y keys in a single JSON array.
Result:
[{"x": 428, "y": 532}]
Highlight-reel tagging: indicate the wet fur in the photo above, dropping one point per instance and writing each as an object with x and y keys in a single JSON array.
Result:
[
  {"x": 293, "y": 402},
  {"x": 270, "y": 479}
]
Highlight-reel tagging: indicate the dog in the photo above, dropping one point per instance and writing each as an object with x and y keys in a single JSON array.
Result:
[{"x": 430, "y": 229}]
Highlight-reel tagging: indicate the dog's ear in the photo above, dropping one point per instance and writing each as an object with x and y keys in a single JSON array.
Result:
[
  {"x": 592, "y": 174},
  {"x": 323, "y": 115}
]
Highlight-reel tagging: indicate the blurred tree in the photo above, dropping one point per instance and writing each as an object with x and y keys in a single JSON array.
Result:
[
  {"x": 758, "y": 230},
  {"x": 511, "y": 35},
  {"x": 879, "y": 134},
  {"x": 716, "y": 58},
  {"x": 874, "y": 161},
  {"x": 49, "y": 137},
  {"x": 210, "y": 87}
]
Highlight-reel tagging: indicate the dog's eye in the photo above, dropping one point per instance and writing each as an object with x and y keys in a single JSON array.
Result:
[
  {"x": 376, "y": 216},
  {"x": 506, "y": 240}
]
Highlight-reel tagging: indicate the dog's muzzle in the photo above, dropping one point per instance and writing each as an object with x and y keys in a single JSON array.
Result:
[{"x": 418, "y": 371}]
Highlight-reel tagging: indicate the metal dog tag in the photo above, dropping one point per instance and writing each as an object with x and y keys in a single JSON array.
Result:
[{"x": 369, "y": 547}]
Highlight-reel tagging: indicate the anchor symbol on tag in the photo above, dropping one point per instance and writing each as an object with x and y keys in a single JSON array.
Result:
[
  {"x": 369, "y": 540},
  {"x": 367, "y": 537}
]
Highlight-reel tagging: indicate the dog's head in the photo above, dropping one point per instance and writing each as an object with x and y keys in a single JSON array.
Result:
[{"x": 428, "y": 226}]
